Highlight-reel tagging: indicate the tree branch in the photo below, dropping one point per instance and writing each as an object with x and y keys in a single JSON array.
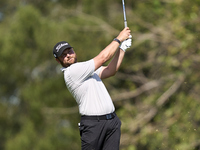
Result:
[{"x": 144, "y": 118}]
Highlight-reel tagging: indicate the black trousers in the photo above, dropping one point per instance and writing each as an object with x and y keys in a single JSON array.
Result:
[{"x": 100, "y": 134}]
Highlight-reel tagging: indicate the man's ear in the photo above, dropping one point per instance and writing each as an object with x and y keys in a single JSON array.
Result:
[{"x": 58, "y": 60}]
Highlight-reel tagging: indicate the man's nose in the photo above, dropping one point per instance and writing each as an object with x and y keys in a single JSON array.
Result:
[{"x": 68, "y": 54}]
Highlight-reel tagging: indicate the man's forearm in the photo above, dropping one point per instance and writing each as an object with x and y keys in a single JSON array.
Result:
[
  {"x": 116, "y": 61},
  {"x": 110, "y": 50},
  {"x": 106, "y": 54},
  {"x": 113, "y": 66}
]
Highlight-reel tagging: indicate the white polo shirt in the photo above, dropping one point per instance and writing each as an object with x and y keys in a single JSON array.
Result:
[{"x": 84, "y": 84}]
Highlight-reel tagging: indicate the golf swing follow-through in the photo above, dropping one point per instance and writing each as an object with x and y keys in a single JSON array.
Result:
[{"x": 99, "y": 125}]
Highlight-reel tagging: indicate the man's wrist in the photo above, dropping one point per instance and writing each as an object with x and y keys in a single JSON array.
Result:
[
  {"x": 122, "y": 49},
  {"x": 117, "y": 40}
]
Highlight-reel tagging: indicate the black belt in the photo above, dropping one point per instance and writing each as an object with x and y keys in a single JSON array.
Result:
[{"x": 102, "y": 117}]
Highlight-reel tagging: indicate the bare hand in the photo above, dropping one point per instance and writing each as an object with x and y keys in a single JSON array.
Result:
[{"x": 124, "y": 34}]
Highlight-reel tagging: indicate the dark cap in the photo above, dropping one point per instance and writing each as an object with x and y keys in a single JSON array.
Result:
[{"x": 59, "y": 48}]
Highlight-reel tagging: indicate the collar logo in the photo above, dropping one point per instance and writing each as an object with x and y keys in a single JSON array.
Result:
[{"x": 60, "y": 46}]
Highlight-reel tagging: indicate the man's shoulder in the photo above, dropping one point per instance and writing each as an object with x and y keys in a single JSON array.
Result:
[{"x": 80, "y": 67}]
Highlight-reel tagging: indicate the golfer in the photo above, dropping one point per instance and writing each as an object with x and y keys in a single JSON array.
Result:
[{"x": 99, "y": 126}]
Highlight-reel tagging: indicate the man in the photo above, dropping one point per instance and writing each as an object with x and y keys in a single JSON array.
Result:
[{"x": 99, "y": 126}]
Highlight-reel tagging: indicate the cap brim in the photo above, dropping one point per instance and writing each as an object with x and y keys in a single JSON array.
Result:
[{"x": 62, "y": 49}]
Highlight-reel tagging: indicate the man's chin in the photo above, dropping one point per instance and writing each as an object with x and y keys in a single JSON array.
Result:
[{"x": 69, "y": 63}]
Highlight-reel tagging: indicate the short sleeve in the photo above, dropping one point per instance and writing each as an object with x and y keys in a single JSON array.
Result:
[{"x": 80, "y": 71}]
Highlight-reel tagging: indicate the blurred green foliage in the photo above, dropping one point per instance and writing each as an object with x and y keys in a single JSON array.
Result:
[{"x": 156, "y": 91}]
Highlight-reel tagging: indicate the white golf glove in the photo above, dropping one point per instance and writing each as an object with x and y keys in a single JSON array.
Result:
[{"x": 126, "y": 44}]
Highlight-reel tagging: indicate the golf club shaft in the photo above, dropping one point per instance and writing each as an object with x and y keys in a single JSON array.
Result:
[{"x": 124, "y": 11}]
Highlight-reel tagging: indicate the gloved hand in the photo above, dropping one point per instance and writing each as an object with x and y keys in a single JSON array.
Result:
[{"x": 126, "y": 44}]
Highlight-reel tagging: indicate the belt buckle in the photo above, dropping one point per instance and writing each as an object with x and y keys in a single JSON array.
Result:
[{"x": 108, "y": 116}]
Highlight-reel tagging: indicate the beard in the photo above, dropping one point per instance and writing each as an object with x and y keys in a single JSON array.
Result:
[{"x": 68, "y": 64}]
